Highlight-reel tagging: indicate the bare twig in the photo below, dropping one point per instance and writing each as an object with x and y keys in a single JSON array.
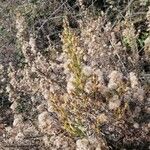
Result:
[{"x": 52, "y": 14}]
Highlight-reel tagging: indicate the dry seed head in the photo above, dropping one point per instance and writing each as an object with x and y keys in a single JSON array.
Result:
[{"x": 134, "y": 80}]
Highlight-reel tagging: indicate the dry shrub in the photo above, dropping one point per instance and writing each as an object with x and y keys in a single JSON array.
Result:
[{"x": 89, "y": 86}]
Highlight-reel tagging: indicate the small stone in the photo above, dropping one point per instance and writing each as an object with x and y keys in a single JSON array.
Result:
[{"x": 136, "y": 125}]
